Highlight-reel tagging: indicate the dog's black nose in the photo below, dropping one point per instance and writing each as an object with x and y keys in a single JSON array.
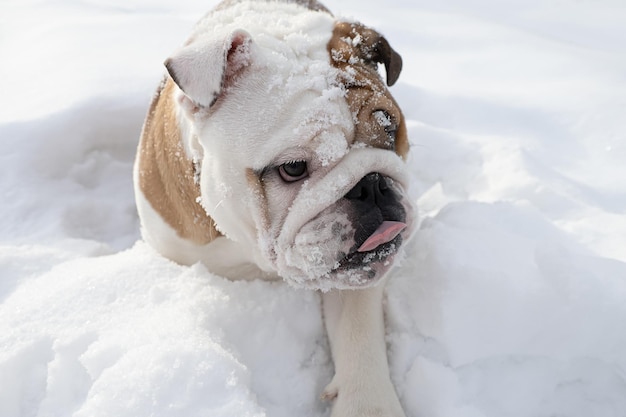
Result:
[
  {"x": 371, "y": 189},
  {"x": 373, "y": 202}
]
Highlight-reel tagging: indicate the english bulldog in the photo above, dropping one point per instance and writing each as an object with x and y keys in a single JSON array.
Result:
[{"x": 274, "y": 149}]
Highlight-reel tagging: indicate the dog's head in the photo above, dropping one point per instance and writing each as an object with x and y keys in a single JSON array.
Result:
[{"x": 298, "y": 144}]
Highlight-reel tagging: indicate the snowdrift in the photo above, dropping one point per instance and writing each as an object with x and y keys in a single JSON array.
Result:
[{"x": 510, "y": 301}]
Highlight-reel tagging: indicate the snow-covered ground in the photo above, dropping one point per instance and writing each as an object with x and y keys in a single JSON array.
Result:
[{"x": 512, "y": 301}]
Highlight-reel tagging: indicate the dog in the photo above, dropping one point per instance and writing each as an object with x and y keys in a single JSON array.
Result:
[{"x": 273, "y": 149}]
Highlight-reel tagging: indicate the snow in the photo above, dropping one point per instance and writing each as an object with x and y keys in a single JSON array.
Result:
[{"x": 510, "y": 301}]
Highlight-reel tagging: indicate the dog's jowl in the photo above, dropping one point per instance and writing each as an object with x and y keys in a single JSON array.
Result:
[{"x": 273, "y": 149}]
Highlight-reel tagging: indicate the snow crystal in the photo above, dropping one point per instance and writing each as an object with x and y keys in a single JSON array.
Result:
[
  {"x": 331, "y": 148},
  {"x": 382, "y": 118}
]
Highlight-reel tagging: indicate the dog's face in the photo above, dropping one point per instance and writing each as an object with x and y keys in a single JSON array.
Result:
[{"x": 298, "y": 144}]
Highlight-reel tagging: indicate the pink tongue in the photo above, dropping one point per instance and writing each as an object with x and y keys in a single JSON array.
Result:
[{"x": 385, "y": 233}]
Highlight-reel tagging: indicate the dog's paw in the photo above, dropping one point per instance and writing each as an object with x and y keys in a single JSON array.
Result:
[
  {"x": 349, "y": 408},
  {"x": 357, "y": 400},
  {"x": 330, "y": 392}
]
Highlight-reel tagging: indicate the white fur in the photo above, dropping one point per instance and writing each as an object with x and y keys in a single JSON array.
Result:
[{"x": 356, "y": 330}]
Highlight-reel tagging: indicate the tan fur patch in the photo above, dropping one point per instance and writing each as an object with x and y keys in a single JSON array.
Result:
[
  {"x": 166, "y": 174},
  {"x": 351, "y": 48}
]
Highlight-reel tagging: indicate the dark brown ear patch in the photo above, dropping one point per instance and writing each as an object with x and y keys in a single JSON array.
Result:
[
  {"x": 353, "y": 41},
  {"x": 356, "y": 51},
  {"x": 392, "y": 60}
]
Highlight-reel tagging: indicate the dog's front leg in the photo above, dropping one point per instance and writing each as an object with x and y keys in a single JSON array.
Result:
[{"x": 361, "y": 386}]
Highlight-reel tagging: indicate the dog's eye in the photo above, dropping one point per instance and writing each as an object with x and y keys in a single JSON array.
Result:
[
  {"x": 386, "y": 122},
  {"x": 293, "y": 171},
  {"x": 391, "y": 133}
]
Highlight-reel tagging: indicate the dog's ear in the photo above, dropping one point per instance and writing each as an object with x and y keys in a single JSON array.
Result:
[
  {"x": 354, "y": 40},
  {"x": 384, "y": 54},
  {"x": 203, "y": 68}
]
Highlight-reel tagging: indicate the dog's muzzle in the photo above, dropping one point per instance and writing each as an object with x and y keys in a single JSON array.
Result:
[
  {"x": 379, "y": 219},
  {"x": 344, "y": 229}
]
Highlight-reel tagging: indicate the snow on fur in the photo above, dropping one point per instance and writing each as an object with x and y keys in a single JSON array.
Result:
[{"x": 509, "y": 302}]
